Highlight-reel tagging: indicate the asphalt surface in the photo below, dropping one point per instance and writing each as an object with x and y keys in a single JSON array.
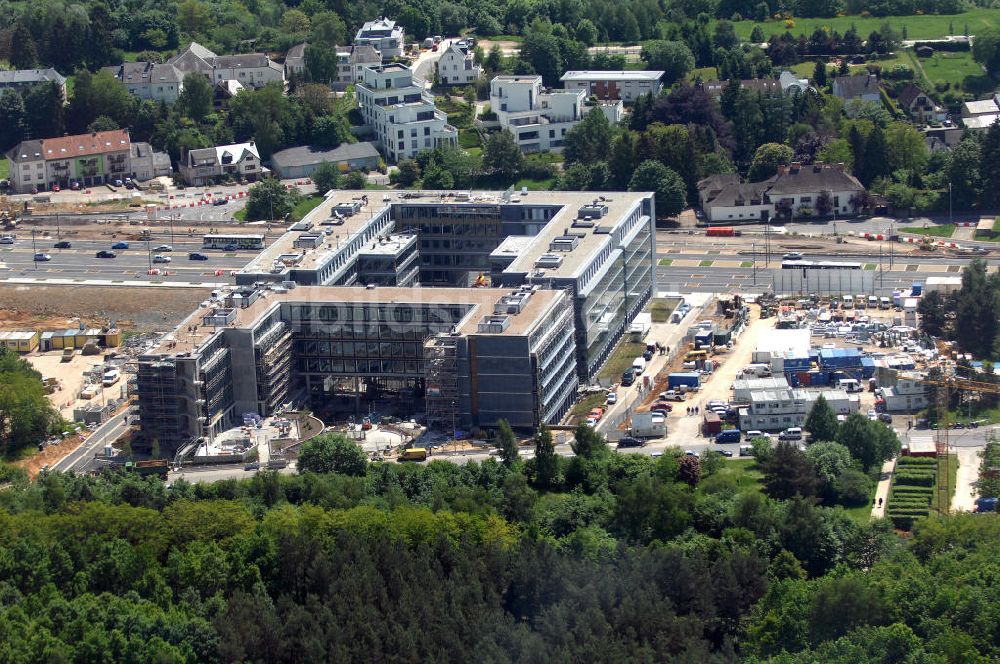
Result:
[
  {"x": 82, "y": 458},
  {"x": 80, "y": 261}
]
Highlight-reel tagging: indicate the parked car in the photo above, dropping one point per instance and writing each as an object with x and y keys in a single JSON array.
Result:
[
  {"x": 629, "y": 441},
  {"x": 162, "y": 248},
  {"x": 612, "y": 398},
  {"x": 120, "y": 245},
  {"x": 663, "y": 405},
  {"x": 691, "y": 453},
  {"x": 792, "y": 256},
  {"x": 725, "y": 453},
  {"x": 671, "y": 395},
  {"x": 791, "y": 433},
  {"x": 41, "y": 256},
  {"x": 197, "y": 256},
  {"x": 62, "y": 244},
  {"x": 104, "y": 253},
  {"x": 219, "y": 201},
  {"x": 7, "y": 239},
  {"x": 118, "y": 182},
  {"x": 56, "y": 189},
  {"x": 158, "y": 258}
]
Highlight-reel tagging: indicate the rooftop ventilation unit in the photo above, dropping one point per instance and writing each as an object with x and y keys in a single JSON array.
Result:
[
  {"x": 585, "y": 222},
  {"x": 564, "y": 243},
  {"x": 548, "y": 261},
  {"x": 595, "y": 210},
  {"x": 603, "y": 230},
  {"x": 495, "y": 324}
]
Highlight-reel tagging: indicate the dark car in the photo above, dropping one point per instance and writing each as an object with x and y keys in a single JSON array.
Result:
[
  {"x": 628, "y": 378},
  {"x": 629, "y": 441},
  {"x": 219, "y": 201},
  {"x": 663, "y": 405},
  {"x": 62, "y": 244},
  {"x": 725, "y": 453},
  {"x": 196, "y": 256},
  {"x": 648, "y": 355},
  {"x": 104, "y": 253},
  {"x": 120, "y": 245}
]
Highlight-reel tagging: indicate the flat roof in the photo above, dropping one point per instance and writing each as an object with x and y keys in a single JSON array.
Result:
[
  {"x": 191, "y": 333},
  {"x": 619, "y": 203},
  {"x": 590, "y": 241},
  {"x": 591, "y": 75},
  {"x": 389, "y": 246},
  {"x": 794, "y": 341}
]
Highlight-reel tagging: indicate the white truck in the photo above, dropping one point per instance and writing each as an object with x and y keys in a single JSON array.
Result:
[
  {"x": 638, "y": 366},
  {"x": 649, "y": 425}
]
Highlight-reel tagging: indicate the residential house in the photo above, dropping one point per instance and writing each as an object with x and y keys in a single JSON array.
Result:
[
  {"x": 208, "y": 165},
  {"x": 86, "y": 159},
  {"x": 795, "y": 191},
  {"x": 624, "y": 85},
  {"x": 351, "y": 61},
  {"x": 295, "y": 60},
  {"x": 300, "y": 162},
  {"x": 401, "y": 112},
  {"x": 22, "y": 79},
  {"x": 457, "y": 65},
  {"x": 919, "y": 106},
  {"x": 252, "y": 70},
  {"x": 863, "y": 87},
  {"x": 148, "y": 80},
  {"x": 224, "y": 91},
  {"x": 384, "y": 35},
  {"x": 539, "y": 118},
  {"x": 786, "y": 82}
]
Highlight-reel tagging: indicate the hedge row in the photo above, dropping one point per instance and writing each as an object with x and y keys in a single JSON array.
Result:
[
  {"x": 915, "y": 480},
  {"x": 916, "y": 461},
  {"x": 904, "y": 488}
]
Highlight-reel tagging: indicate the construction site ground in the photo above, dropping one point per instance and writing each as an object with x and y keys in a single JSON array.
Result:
[
  {"x": 61, "y": 307},
  {"x": 70, "y": 378}
]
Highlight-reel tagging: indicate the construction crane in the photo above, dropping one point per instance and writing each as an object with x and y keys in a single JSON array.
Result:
[{"x": 943, "y": 387}]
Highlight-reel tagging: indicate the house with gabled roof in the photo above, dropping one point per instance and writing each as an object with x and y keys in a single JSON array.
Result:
[
  {"x": 208, "y": 165},
  {"x": 919, "y": 106},
  {"x": 252, "y": 70},
  {"x": 796, "y": 190}
]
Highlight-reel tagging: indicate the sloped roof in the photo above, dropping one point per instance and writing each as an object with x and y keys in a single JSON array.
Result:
[
  {"x": 194, "y": 58},
  {"x": 31, "y": 76},
  {"x": 83, "y": 145},
  {"x": 852, "y": 87},
  {"x": 146, "y": 72},
  {"x": 812, "y": 179},
  {"x": 909, "y": 94},
  {"x": 364, "y": 53}
]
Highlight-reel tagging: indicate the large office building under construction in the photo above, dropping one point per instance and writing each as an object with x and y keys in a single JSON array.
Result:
[{"x": 469, "y": 307}]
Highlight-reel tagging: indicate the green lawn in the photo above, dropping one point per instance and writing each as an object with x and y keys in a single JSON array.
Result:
[
  {"x": 746, "y": 264},
  {"x": 870, "y": 266},
  {"x": 940, "y": 496},
  {"x": 304, "y": 207},
  {"x": 742, "y": 473},
  {"x": 939, "y": 230},
  {"x": 4, "y": 169},
  {"x": 535, "y": 185},
  {"x": 917, "y": 27},
  {"x": 621, "y": 359},
  {"x": 957, "y": 69},
  {"x": 661, "y": 308},
  {"x": 666, "y": 262},
  {"x": 705, "y": 264},
  {"x": 468, "y": 138}
]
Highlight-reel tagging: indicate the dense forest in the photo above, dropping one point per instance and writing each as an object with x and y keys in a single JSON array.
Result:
[{"x": 599, "y": 558}]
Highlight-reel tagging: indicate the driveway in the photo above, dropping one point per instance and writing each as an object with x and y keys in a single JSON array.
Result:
[{"x": 964, "y": 499}]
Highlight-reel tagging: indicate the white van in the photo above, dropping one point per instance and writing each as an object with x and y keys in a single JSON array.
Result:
[
  {"x": 848, "y": 301},
  {"x": 872, "y": 302},
  {"x": 791, "y": 433},
  {"x": 884, "y": 303},
  {"x": 757, "y": 370},
  {"x": 849, "y": 384},
  {"x": 638, "y": 366}
]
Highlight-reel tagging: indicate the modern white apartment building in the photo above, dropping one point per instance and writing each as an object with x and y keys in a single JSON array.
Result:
[
  {"x": 402, "y": 112},
  {"x": 384, "y": 35},
  {"x": 539, "y": 118},
  {"x": 624, "y": 85},
  {"x": 457, "y": 65}
]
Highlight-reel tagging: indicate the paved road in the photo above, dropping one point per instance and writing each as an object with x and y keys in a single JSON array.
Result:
[{"x": 82, "y": 457}]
